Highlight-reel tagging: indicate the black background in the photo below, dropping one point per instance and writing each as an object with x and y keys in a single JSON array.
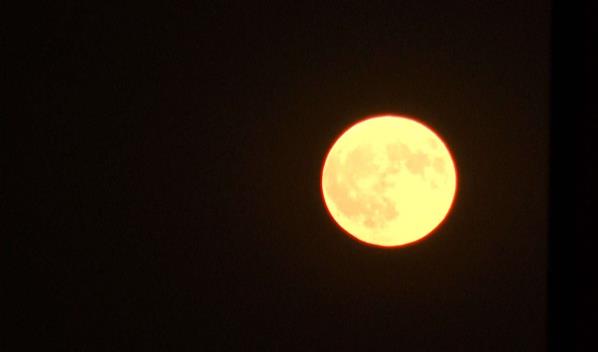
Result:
[{"x": 172, "y": 188}]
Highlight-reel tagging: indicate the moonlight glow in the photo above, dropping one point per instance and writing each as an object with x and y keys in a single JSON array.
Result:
[{"x": 389, "y": 180}]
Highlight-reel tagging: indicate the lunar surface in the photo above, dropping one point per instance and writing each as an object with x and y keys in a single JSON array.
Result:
[{"x": 389, "y": 181}]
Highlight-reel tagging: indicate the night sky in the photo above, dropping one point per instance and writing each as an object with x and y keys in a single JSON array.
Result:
[{"x": 173, "y": 176}]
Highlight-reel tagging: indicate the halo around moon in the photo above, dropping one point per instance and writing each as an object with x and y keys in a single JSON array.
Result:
[{"x": 389, "y": 180}]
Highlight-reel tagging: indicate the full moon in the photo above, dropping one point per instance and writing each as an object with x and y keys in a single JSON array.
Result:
[{"x": 389, "y": 180}]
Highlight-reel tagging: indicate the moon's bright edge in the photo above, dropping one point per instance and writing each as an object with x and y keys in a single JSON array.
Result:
[{"x": 389, "y": 180}]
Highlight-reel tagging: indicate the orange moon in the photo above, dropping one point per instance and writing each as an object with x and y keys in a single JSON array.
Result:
[{"x": 389, "y": 180}]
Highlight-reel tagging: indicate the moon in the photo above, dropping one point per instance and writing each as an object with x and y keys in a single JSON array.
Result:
[{"x": 389, "y": 180}]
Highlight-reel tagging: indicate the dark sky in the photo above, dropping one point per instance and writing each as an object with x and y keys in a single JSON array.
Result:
[{"x": 174, "y": 184}]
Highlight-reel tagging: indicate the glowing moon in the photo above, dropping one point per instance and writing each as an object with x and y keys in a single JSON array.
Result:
[{"x": 389, "y": 180}]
